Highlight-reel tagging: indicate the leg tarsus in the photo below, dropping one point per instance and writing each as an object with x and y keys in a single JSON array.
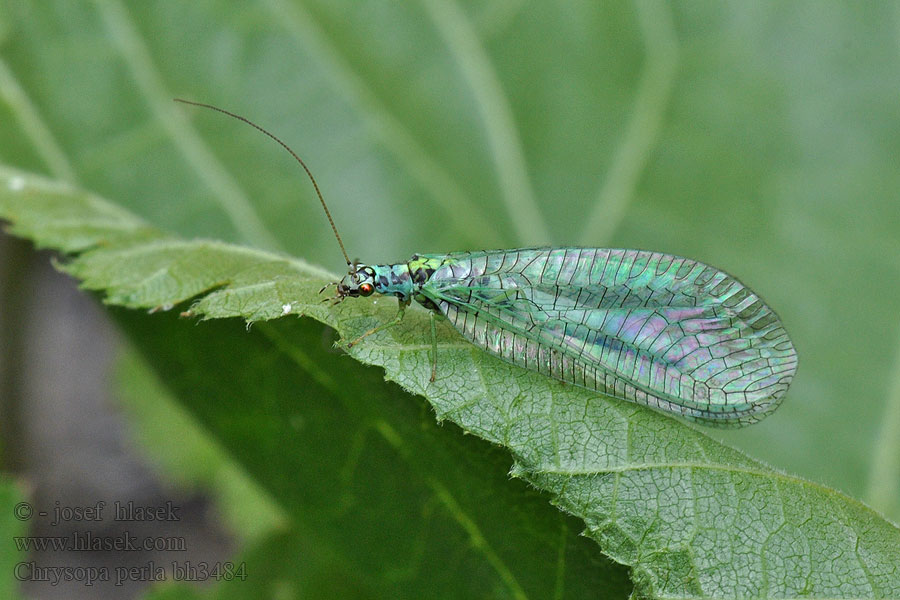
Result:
[{"x": 384, "y": 325}]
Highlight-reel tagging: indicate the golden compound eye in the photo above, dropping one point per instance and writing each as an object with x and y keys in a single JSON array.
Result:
[{"x": 366, "y": 289}]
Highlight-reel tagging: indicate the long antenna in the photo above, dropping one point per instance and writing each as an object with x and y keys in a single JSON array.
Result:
[{"x": 294, "y": 154}]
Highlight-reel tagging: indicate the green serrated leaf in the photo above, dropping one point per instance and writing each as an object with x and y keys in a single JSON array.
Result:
[
  {"x": 381, "y": 501},
  {"x": 693, "y": 518}
]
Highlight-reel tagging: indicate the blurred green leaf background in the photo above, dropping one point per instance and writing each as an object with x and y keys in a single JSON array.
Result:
[{"x": 760, "y": 137}]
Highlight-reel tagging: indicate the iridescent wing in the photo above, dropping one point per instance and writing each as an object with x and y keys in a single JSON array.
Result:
[{"x": 652, "y": 328}]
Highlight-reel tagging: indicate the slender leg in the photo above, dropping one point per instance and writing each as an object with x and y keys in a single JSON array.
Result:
[
  {"x": 384, "y": 325},
  {"x": 433, "y": 348}
]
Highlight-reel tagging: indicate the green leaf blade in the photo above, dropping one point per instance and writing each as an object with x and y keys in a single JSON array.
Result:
[
  {"x": 691, "y": 517},
  {"x": 248, "y": 284}
]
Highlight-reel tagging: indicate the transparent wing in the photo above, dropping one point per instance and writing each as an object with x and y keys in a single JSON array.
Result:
[{"x": 648, "y": 327}]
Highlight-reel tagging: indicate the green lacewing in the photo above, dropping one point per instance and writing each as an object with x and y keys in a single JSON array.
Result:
[{"x": 660, "y": 330}]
